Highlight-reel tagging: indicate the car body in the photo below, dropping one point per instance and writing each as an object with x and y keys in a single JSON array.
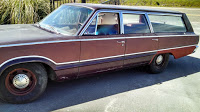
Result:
[{"x": 105, "y": 37}]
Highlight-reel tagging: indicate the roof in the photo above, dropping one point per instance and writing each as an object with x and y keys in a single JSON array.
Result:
[{"x": 121, "y": 7}]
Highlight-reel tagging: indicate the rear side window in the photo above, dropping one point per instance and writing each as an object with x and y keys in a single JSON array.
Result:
[
  {"x": 135, "y": 23},
  {"x": 167, "y": 23}
]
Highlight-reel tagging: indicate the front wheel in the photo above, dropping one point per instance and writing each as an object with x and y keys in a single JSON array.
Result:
[
  {"x": 159, "y": 63},
  {"x": 23, "y": 83}
]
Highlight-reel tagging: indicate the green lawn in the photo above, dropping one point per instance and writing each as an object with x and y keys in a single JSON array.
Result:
[{"x": 166, "y": 3}]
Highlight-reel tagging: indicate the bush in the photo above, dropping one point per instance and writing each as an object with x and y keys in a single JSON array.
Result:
[{"x": 23, "y": 11}]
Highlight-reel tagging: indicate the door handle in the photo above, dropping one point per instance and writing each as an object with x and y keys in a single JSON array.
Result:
[
  {"x": 121, "y": 42},
  {"x": 155, "y": 39}
]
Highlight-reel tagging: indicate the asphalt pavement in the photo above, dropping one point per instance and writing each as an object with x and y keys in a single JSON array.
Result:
[{"x": 131, "y": 90}]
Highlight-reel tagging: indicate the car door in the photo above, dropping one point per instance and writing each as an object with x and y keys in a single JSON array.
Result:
[
  {"x": 141, "y": 44},
  {"x": 102, "y": 46}
]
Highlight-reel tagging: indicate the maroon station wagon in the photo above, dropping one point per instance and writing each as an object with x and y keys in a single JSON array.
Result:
[{"x": 80, "y": 39}]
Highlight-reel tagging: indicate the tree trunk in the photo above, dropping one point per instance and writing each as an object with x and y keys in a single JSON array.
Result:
[{"x": 83, "y": 1}]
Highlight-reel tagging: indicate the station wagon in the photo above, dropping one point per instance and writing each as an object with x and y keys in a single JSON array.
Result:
[{"x": 80, "y": 39}]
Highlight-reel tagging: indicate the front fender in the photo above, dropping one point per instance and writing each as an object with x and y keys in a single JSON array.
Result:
[{"x": 27, "y": 59}]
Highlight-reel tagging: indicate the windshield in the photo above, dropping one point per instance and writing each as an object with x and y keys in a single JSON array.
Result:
[{"x": 66, "y": 19}]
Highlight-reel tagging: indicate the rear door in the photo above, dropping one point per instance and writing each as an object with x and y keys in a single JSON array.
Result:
[
  {"x": 102, "y": 46},
  {"x": 141, "y": 43}
]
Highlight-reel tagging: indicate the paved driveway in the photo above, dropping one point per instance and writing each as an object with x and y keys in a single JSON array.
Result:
[{"x": 133, "y": 90}]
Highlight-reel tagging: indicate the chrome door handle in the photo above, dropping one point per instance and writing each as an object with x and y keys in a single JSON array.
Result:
[
  {"x": 121, "y": 42},
  {"x": 155, "y": 39}
]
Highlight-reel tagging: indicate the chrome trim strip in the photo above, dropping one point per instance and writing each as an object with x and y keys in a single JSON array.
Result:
[
  {"x": 36, "y": 56},
  {"x": 75, "y": 40},
  {"x": 176, "y": 47},
  {"x": 131, "y": 54},
  {"x": 34, "y": 43},
  {"x": 141, "y": 52},
  {"x": 101, "y": 58},
  {"x": 71, "y": 62},
  {"x": 32, "y": 56}
]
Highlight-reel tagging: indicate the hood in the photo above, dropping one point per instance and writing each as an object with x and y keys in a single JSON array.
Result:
[{"x": 22, "y": 33}]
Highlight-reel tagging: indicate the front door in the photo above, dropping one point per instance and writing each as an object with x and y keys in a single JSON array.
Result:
[{"x": 102, "y": 47}]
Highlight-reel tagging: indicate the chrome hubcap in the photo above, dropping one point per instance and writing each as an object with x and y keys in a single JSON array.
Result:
[
  {"x": 21, "y": 81},
  {"x": 159, "y": 59}
]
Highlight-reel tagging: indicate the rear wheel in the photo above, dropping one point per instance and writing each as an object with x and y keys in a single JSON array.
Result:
[
  {"x": 159, "y": 63},
  {"x": 23, "y": 83}
]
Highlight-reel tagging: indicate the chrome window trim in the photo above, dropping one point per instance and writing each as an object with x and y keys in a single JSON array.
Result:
[
  {"x": 139, "y": 13},
  {"x": 164, "y": 14},
  {"x": 121, "y": 23},
  {"x": 80, "y": 29},
  {"x": 88, "y": 24},
  {"x": 94, "y": 15},
  {"x": 127, "y": 11},
  {"x": 96, "y": 24},
  {"x": 72, "y": 62},
  {"x": 149, "y": 23},
  {"x": 93, "y": 39}
]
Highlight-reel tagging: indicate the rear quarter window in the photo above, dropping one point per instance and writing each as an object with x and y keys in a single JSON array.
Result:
[{"x": 163, "y": 23}]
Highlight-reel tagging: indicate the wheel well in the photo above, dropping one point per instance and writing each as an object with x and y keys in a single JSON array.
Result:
[
  {"x": 50, "y": 72},
  {"x": 171, "y": 54}
]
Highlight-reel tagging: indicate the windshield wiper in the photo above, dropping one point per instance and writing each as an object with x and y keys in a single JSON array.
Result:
[
  {"x": 53, "y": 28},
  {"x": 49, "y": 26}
]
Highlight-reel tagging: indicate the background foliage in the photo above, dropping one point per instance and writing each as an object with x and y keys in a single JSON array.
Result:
[
  {"x": 31, "y": 11},
  {"x": 23, "y": 11}
]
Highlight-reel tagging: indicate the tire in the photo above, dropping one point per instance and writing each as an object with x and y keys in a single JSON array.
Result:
[
  {"x": 15, "y": 90},
  {"x": 157, "y": 66}
]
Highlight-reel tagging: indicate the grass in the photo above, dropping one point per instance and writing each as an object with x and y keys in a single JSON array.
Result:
[
  {"x": 166, "y": 3},
  {"x": 23, "y": 11}
]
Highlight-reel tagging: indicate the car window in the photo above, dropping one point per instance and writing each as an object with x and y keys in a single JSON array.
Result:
[
  {"x": 104, "y": 24},
  {"x": 66, "y": 19},
  {"x": 135, "y": 23},
  {"x": 163, "y": 23}
]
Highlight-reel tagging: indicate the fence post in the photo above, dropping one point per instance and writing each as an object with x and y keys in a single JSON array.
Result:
[
  {"x": 83, "y": 1},
  {"x": 51, "y": 7}
]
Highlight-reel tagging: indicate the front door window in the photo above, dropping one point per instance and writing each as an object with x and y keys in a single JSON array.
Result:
[{"x": 106, "y": 23}]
